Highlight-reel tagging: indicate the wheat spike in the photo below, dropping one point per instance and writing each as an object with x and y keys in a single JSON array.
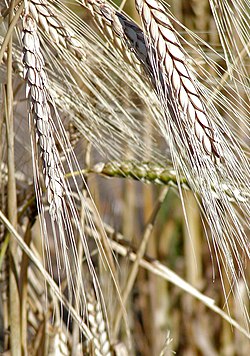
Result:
[
  {"x": 184, "y": 99},
  {"x": 56, "y": 29},
  {"x": 126, "y": 36},
  {"x": 40, "y": 113},
  {"x": 150, "y": 172},
  {"x": 98, "y": 327},
  {"x": 196, "y": 142}
]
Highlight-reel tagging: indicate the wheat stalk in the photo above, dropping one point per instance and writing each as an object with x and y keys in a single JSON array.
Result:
[{"x": 122, "y": 246}]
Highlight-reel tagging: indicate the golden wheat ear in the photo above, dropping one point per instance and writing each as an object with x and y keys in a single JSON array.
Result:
[
  {"x": 40, "y": 115},
  {"x": 62, "y": 221},
  {"x": 181, "y": 92}
]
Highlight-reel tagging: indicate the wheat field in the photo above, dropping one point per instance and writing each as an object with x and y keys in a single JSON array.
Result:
[{"x": 125, "y": 179}]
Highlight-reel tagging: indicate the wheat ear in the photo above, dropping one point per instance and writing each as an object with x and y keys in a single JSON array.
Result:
[
  {"x": 57, "y": 30},
  {"x": 184, "y": 100},
  {"x": 62, "y": 205},
  {"x": 126, "y": 36},
  {"x": 151, "y": 172},
  {"x": 39, "y": 106},
  {"x": 98, "y": 327}
]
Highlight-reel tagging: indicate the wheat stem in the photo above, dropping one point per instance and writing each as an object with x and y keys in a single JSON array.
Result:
[
  {"x": 164, "y": 272},
  {"x": 14, "y": 299},
  {"x": 11, "y": 27},
  {"x": 122, "y": 246}
]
